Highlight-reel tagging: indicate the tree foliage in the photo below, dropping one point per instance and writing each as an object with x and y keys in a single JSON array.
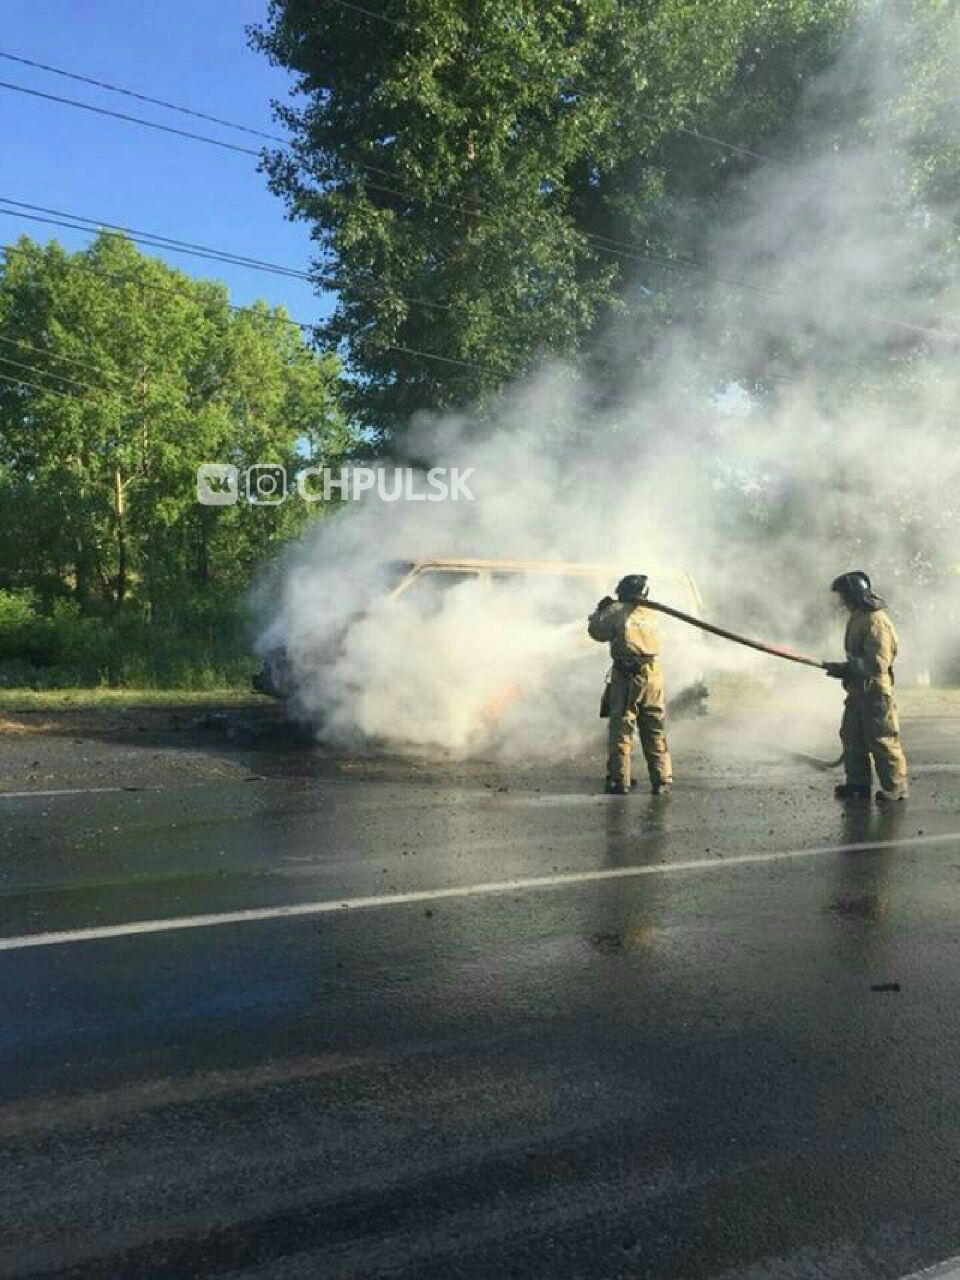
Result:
[
  {"x": 118, "y": 376},
  {"x": 485, "y": 177}
]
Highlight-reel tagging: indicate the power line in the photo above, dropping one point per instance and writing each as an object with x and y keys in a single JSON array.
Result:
[
  {"x": 153, "y": 286},
  {"x": 372, "y": 186},
  {"x": 369, "y": 13},
  {"x": 142, "y": 97},
  {"x": 272, "y": 137},
  {"x": 612, "y": 247},
  {"x": 714, "y": 141},
  {"x": 152, "y": 124},
  {"x": 624, "y": 249},
  {"x": 58, "y": 218},
  {"x": 45, "y": 373},
  {"x": 92, "y": 267},
  {"x": 433, "y": 355},
  {"x": 302, "y": 325},
  {"x": 210, "y": 253},
  {"x": 603, "y": 244},
  {"x": 152, "y": 238},
  {"x": 54, "y": 355},
  {"x": 25, "y": 382},
  {"x": 120, "y": 115},
  {"x": 159, "y": 241},
  {"x": 688, "y": 130}
]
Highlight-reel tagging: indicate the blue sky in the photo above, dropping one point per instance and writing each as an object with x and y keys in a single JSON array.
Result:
[{"x": 192, "y": 52}]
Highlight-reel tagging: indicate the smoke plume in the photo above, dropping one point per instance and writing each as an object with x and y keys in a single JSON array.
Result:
[{"x": 829, "y": 290}]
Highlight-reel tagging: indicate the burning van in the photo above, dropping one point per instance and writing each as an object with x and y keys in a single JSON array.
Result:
[{"x": 475, "y": 638}]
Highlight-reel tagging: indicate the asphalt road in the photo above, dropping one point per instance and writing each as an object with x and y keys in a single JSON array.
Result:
[{"x": 555, "y": 1034}]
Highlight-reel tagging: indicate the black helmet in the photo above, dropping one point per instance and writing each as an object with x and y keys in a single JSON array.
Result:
[
  {"x": 633, "y": 588},
  {"x": 855, "y": 590}
]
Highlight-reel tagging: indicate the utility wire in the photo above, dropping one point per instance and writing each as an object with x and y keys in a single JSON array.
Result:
[
  {"x": 328, "y": 282},
  {"x": 54, "y": 355},
  {"x": 119, "y": 277},
  {"x": 152, "y": 124},
  {"x": 603, "y": 244},
  {"x": 159, "y": 241},
  {"x": 302, "y": 325},
  {"x": 142, "y": 97},
  {"x": 688, "y": 130},
  {"x": 120, "y": 115},
  {"x": 713, "y": 141},
  {"x": 142, "y": 238},
  {"x": 25, "y": 382},
  {"x": 610, "y": 246},
  {"x": 369, "y": 13},
  {"x": 154, "y": 239},
  {"x": 433, "y": 355},
  {"x": 209, "y": 253},
  {"x": 45, "y": 373}
]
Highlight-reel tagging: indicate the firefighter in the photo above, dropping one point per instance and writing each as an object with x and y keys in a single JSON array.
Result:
[
  {"x": 870, "y": 727},
  {"x": 634, "y": 694}
]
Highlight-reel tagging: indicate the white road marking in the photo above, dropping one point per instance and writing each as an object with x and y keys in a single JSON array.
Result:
[
  {"x": 460, "y": 891},
  {"x": 129, "y": 787},
  {"x": 62, "y": 791},
  {"x": 949, "y": 1270}
]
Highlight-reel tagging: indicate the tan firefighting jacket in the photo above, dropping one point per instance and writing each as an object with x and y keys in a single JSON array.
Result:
[
  {"x": 871, "y": 645},
  {"x": 630, "y": 631}
]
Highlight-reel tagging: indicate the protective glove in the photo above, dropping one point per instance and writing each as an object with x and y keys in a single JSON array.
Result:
[
  {"x": 838, "y": 670},
  {"x": 604, "y": 603}
]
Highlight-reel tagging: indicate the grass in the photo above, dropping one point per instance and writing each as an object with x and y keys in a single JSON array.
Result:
[{"x": 53, "y": 700}]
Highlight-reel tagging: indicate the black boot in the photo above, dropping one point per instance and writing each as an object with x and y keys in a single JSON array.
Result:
[
  {"x": 616, "y": 789},
  {"x": 891, "y": 797},
  {"x": 852, "y": 791}
]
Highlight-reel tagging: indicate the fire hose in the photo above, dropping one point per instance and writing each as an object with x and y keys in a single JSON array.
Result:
[
  {"x": 775, "y": 650},
  {"x": 778, "y": 651}
]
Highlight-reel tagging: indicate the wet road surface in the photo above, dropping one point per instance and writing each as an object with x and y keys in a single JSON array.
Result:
[{"x": 714, "y": 1036}]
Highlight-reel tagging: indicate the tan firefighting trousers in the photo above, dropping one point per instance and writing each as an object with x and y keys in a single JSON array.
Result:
[
  {"x": 871, "y": 727},
  {"x": 637, "y": 701}
]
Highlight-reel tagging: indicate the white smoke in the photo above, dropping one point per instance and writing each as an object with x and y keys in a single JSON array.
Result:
[{"x": 829, "y": 273}]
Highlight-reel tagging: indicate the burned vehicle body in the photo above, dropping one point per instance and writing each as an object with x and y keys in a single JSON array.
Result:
[{"x": 568, "y": 591}]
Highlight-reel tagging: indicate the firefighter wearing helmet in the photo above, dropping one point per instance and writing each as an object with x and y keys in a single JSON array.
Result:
[
  {"x": 870, "y": 729},
  {"x": 634, "y": 698}
]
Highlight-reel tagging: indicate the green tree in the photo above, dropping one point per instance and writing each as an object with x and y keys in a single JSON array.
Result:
[
  {"x": 118, "y": 376},
  {"x": 484, "y": 177}
]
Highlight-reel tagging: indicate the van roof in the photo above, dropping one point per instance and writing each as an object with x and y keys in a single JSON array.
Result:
[{"x": 564, "y": 568}]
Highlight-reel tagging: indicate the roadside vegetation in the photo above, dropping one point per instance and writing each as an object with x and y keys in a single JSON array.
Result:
[
  {"x": 112, "y": 700},
  {"x": 482, "y": 195},
  {"x": 118, "y": 377}
]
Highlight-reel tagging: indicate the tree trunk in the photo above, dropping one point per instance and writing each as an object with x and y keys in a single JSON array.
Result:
[
  {"x": 81, "y": 575},
  {"x": 203, "y": 550},
  {"x": 118, "y": 512}
]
